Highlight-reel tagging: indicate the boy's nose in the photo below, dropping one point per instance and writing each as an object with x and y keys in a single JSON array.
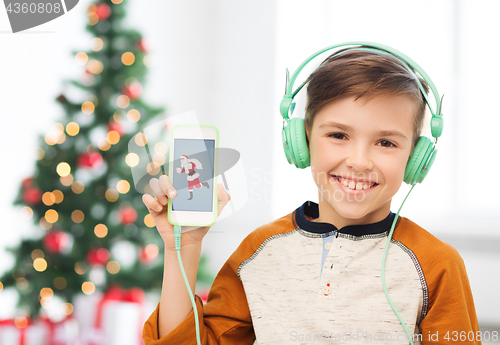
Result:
[{"x": 359, "y": 160}]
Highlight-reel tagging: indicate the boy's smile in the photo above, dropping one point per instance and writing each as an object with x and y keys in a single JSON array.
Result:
[{"x": 359, "y": 150}]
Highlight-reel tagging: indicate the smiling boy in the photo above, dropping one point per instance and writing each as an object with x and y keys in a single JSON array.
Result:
[{"x": 314, "y": 274}]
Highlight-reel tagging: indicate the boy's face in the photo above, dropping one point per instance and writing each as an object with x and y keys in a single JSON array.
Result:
[{"x": 365, "y": 146}]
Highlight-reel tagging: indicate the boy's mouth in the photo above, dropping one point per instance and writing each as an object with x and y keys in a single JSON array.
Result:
[{"x": 355, "y": 185}]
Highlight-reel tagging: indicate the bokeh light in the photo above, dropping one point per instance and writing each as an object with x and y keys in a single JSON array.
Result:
[
  {"x": 60, "y": 283},
  {"x": 95, "y": 66},
  {"x": 141, "y": 139},
  {"x": 96, "y": 44},
  {"x": 27, "y": 212},
  {"x": 88, "y": 288},
  {"x": 81, "y": 58},
  {"x": 40, "y": 264},
  {"x": 88, "y": 107},
  {"x": 77, "y": 216},
  {"x": 148, "y": 220},
  {"x": 161, "y": 148},
  {"x": 123, "y": 101},
  {"x": 113, "y": 267},
  {"x": 101, "y": 230},
  {"x": 80, "y": 268},
  {"x": 111, "y": 195},
  {"x": 58, "y": 195},
  {"x": 123, "y": 186},
  {"x": 133, "y": 115},
  {"x": 77, "y": 187},
  {"x": 72, "y": 128},
  {"x": 67, "y": 180},
  {"x": 48, "y": 198},
  {"x": 113, "y": 137},
  {"x": 51, "y": 216},
  {"x": 128, "y": 58},
  {"x": 63, "y": 169},
  {"x": 36, "y": 254},
  {"x": 132, "y": 159}
]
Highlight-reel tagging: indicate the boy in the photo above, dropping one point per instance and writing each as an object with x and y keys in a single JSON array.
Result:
[{"x": 314, "y": 275}]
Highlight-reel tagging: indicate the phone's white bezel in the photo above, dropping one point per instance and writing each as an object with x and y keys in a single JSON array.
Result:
[{"x": 193, "y": 218}]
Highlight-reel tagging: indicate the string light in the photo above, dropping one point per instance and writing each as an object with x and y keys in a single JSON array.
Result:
[
  {"x": 77, "y": 216},
  {"x": 88, "y": 107},
  {"x": 159, "y": 159},
  {"x": 116, "y": 2},
  {"x": 22, "y": 284},
  {"x": 37, "y": 254},
  {"x": 40, "y": 264},
  {"x": 95, "y": 66},
  {"x": 93, "y": 18},
  {"x": 123, "y": 186},
  {"x": 96, "y": 44},
  {"x": 68, "y": 308},
  {"x": 113, "y": 267},
  {"x": 132, "y": 159},
  {"x": 67, "y": 180},
  {"x": 104, "y": 145},
  {"x": 123, "y": 101},
  {"x": 113, "y": 137},
  {"x": 148, "y": 220},
  {"x": 81, "y": 58},
  {"x": 161, "y": 148},
  {"x": 58, "y": 195},
  {"x": 128, "y": 58},
  {"x": 141, "y": 139},
  {"x": 51, "y": 216},
  {"x": 72, "y": 128},
  {"x": 40, "y": 153},
  {"x": 46, "y": 293},
  {"x": 27, "y": 212},
  {"x": 21, "y": 322},
  {"x": 101, "y": 230},
  {"x": 44, "y": 224},
  {"x": 153, "y": 168},
  {"x": 111, "y": 195},
  {"x": 133, "y": 115},
  {"x": 88, "y": 288},
  {"x": 63, "y": 169},
  {"x": 77, "y": 187},
  {"x": 48, "y": 198},
  {"x": 80, "y": 268}
]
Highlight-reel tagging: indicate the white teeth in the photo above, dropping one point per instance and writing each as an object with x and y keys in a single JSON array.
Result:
[{"x": 355, "y": 185}]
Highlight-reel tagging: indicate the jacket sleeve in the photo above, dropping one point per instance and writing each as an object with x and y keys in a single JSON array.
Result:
[
  {"x": 451, "y": 315},
  {"x": 225, "y": 318}
]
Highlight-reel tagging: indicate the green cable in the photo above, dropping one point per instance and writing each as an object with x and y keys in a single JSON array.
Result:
[
  {"x": 177, "y": 237},
  {"x": 389, "y": 237}
]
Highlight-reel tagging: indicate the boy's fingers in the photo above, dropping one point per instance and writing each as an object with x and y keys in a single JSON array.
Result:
[
  {"x": 167, "y": 187},
  {"x": 223, "y": 198},
  {"x": 160, "y": 195},
  {"x": 151, "y": 203}
]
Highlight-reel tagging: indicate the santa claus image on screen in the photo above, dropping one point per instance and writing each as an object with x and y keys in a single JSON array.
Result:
[{"x": 188, "y": 167}]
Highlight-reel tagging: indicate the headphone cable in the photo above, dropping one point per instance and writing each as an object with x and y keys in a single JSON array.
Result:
[
  {"x": 177, "y": 238},
  {"x": 382, "y": 275}
]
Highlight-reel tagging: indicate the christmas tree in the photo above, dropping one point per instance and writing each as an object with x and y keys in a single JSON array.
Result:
[{"x": 93, "y": 230}]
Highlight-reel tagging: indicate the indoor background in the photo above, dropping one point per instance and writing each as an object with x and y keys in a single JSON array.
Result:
[{"x": 226, "y": 61}]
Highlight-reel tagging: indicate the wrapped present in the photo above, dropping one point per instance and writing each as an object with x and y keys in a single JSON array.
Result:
[
  {"x": 115, "y": 317},
  {"x": 22, "y": 333},
  {"x": 64, "y": 332}
]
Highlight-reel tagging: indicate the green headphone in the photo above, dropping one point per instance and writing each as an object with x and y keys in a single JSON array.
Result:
[{"x": 294, "y": 134}]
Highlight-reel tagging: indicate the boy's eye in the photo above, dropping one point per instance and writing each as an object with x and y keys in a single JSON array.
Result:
[
  {"x": 386, "y": 143},
  {"x": 340, "y": 136}
]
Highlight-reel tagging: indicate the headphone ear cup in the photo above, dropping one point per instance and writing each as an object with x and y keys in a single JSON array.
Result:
[
  {"x": 297, "y": 151},
  {"x": 420, "y": 161}
]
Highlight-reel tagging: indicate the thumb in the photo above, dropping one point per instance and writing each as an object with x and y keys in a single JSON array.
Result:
[{"x": 223, "y": 198}]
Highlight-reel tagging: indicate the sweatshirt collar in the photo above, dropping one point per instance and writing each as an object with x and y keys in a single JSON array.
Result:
[{"x": 311, "y": 210}]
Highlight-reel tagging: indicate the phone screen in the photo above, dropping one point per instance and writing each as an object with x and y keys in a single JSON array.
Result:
[{"x": 193, "y": 175}]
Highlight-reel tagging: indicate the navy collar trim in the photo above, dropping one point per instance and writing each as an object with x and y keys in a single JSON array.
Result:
[{"x": 311, "y": 210}]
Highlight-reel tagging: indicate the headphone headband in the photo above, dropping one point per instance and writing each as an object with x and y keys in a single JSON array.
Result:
[{"x": 436, "y": 121}]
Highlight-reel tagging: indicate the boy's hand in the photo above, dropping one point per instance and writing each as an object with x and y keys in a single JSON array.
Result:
[{"x": 163, "y": 189}]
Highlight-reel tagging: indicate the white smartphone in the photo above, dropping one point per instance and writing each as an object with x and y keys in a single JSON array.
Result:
[{"x": 193, "y": 173}]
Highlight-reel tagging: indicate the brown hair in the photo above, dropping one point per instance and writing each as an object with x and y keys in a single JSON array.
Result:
[{"x": 363, "y": 74}]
